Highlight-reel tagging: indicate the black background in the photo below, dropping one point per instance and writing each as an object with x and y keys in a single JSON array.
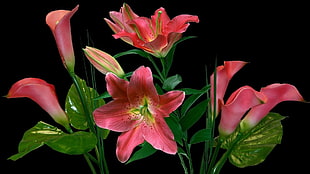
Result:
[{"x": 272, "y": 36}]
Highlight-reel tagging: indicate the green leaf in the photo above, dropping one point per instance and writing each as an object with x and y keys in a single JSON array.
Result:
[
  {"x": 171, "y": 82},
  {"x": 43, "y": 133},
  {"x": 201, "y": 136},
  {"x": 145, "y": 151},
  {"x": 187, "y": 104},
  {"x": 133, "y": 51},
  {"x": 73, "y": 144},
  {"x": 193, "y": 115},
  {"x": 174, "y": 125},
  {"x": 190, "y": 91},
  {"x": 253, "y": 146},
  {"x": 74, "y": 107}
]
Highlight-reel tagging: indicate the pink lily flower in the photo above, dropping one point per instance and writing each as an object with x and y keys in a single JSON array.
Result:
[
  {"x": 236, "y": 106},
  {"x": 59, "y": 23},
  {"x": 138, "y": 111},
  {"x": 224, "y": 73},
  {"x": 275, "y": 93},
  {"x": 155, "y": 35},
  {"x": 43, "y": 94},
  {"x": 103, "y": 61}
]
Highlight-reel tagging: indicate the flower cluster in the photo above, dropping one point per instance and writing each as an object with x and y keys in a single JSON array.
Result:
[{"x": 146, "y": 107}]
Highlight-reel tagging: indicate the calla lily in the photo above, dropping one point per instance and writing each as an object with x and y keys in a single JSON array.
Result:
[
  {"x": 59, "y": 23},
  {"x": 236, "y": 106},
  {"x": 138, "y": 111},
  {"x": 224, "y": 73},
  {"x": 275, "y": 93},
  {"x": 103, "y": 61},
  {"x": 155, "y": 35},
  {"x": 43, "y": 94}
]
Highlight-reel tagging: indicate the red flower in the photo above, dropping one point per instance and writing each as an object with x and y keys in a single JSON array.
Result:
[
  {"x": 155, "y": 35},
  {"x": 138, "y": 111},
  {"x": 43, "y": 94},
  {"x": 275, "y": 93},
  {"x": 59, "y": 23}
]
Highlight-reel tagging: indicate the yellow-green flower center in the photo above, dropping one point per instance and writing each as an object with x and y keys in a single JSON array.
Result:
[{"x": 143, "y": 113}]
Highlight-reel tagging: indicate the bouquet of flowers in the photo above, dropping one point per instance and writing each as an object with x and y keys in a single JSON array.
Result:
[{"x": 147, "y": 107}]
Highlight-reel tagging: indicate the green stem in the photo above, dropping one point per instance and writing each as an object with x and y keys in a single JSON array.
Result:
[
  {"x": 156, "y": 68},
  {"x": 83, "y": 100},
  {"x": 93, "y": 170},
  {"x": 189, "y": 157},
  {"x": 183, "y": 164},
  {"x": 218, "y": 166},
  {"x": 91, "y": 125},
  {"x": 102, "y": 161}
]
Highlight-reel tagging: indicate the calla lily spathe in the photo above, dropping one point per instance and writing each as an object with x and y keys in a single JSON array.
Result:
[
  {"x": 103, "y": 61},
  {"x": 275, "y": 93},
  {"x": 224, "y": 73},
  {"x": 138, "y": 111},
  {"x": 155, "y": 35},
  {"x": 43, "y": 94},
  {"x": 59, "y": 23},
  {"x": 236, "y": 106}
]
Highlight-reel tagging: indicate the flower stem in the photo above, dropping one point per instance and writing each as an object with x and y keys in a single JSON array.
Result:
[
  {"x": 93, "y": 170},
  {"x": 101, "y": 158}
]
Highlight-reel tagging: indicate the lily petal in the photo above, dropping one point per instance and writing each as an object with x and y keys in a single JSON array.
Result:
[
  {"x": 275, "y": 93},
  {"x": 170, "y": 101},
  {"x": 126, "y": 143},
  {"x": 115, "y": 116},
  {"x": 116, "y": 86},
  {"x": 141, "y": 85},
  {"x": 160, "y": 136}
]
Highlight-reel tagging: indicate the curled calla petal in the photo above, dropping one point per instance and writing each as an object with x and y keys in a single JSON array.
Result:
[
  {"x": 236, "y": 106},
  {"x": 43, "y": 94},
  {"x": 155, "y": 35},
  {"x": 275, "y": 93},
  {"x": 59, "y": 23},
  {"x": 224, "y": 73},
  {"x": 103, "y": 61},
  {"x": 138, "y": 111}
]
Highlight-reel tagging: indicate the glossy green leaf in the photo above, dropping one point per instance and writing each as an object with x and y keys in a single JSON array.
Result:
[
  {"x": 174, "y": 125},
  {"x": 73, "y": 144},
  {"x": 193, "y": 115},
  {"x": 201, "y": 136},
  {"x": 74, "y": 107},
  {"x": 253, "y": 146},
  {"x": 43, "y": 133},
  {"x": 171, "y": 82},
  {"x": 145, "y": 151}
]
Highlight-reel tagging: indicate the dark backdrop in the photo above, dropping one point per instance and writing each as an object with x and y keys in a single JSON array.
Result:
[{"x": 273, "y": 37}]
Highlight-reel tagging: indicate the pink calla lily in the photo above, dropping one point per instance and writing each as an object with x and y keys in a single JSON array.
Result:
[
  {"x": 224, "y": 73},
  {"x": 43, "y": 94},
  {"x": 236, "y": 106},
  {"x": 138, "y": 111},
  {"x": 155, "y": 35},
  {"x": 59, "y": 23},
  {"x": 275, "y": 93}
]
